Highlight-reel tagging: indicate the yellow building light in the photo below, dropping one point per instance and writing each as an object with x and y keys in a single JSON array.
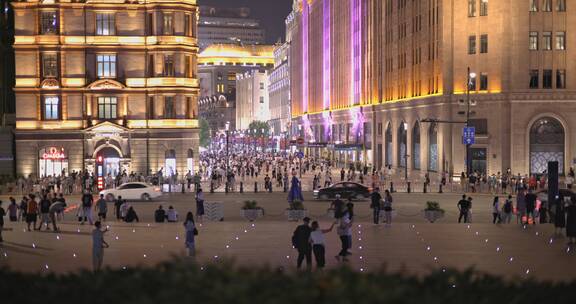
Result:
[
  {"x": 164, "y": 124},
  {"x": 73, "y": 82},
  {"x": 26, "y": 82}
]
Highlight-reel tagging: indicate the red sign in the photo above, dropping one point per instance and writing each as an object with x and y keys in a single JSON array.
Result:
[
  {"x": 300, "y": 141},
  {"x": 54, "y": 154}
]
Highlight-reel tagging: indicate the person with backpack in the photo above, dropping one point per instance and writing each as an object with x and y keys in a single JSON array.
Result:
[
  {"x": 507, "y": 210},
  {"x": 301, "y": 241},
  {"x": 87, "y": 202},
  {"x": 496, "y": 210}
]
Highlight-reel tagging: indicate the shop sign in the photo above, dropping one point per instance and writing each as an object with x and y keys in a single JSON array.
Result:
[
  {"x": 54, "y": 153},
  {"x": 317, "y": 145},
  {"x": 348, "y": 147}
]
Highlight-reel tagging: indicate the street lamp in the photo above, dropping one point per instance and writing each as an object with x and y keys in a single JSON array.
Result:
[
  {"x": 471, "y": 77},
  {"x": 227, "y": 155}
]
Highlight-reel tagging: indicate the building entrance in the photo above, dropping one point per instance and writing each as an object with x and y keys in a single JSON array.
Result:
[{"x": 111, "y": 161}]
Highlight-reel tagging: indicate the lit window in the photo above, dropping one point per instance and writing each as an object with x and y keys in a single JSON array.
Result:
[
  {"x": 547, "y": 41},
  {"x": 560, "y": 79},
  {"x": 106, "y": 66},
  {"x": 471, "y": 8},
  {"x": 107, "y": 107},
  {"x": 49, "y": 65},
  {"x": 547, "y": 79},
  {"x": 483, "y": 7},
  {"x": 188, "y": 25},
  {"x": 52, "y": 108},
  {"x": 472, "y": 45},
  {"x": 472, "y": 84},
  {"x": 561, "y": 5},
  {"x": 534, "y": 5},
  {"x": 168, "y": 24},
  {"x": 534, "y": 79},
  {"x": 483, "y": 82},
  {"x": 169, "y": 107},
  {"x": 547, "y": 6},
  {"x": 560, "y": 40},
  {"x": 105, "y": 24},
  {"x": 49, "y": 22},
  {"x": 168, "y": 65},
  {"x": 261, "y": 99},
  {"x": 483, "y": 44},
  {"x": 533, "y": 41}
]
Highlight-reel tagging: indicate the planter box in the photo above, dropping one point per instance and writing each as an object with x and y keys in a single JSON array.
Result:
[
  {"x": 433, "y": 215},
  {"x": 251, "y": 214},
  {"x": 296, "y": 215}
]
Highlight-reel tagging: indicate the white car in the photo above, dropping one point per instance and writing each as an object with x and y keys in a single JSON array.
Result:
[{"x": 132, "y": 191}]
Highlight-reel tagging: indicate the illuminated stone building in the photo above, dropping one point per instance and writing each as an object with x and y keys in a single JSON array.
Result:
[
  {"x": 106, "y": 78},
  {"x": 218, "y": 66},
  {"x": 219, "y": 25},
  {"x": 367, "y": 75},
  {"x": 252, "y": 99}
]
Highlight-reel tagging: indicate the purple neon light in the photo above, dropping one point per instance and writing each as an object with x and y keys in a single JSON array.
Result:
[
  {"x": 305, "y": 59},
  {"x": 356, "y": 49},
  {"x": 326, "y": 55}
]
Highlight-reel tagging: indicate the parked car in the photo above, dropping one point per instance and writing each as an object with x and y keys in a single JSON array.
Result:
[
  {"x": 345, "y": 189},
  {"x": 132, "y": 191}
]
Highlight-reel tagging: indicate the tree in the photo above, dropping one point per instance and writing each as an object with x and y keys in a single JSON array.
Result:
[
  {"x": 204, "y": 133},
  {"x": 256, "y": 127}
]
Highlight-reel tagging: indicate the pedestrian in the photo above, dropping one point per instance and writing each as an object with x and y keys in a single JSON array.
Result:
[
  {"x": 344, "y": 231},
  {"x": 388, "y": 207},
  {"x": 376, "y": 198},
  {"x": 2, "y": 214},
  {"x": 560, "y": 215},
  {"x": 172, "y": 215},
  {"x": 98, "y": 245},
  {"x": 23, "y": 209},
  {"x": 159, "y": 215},
  {"x": 131, "y": 216},
  {"x": 56, "y": 208},
  {"x": 496, "y": 210},
  {"x": 507, "y": 209},
  {"x": 191, "y": 233},
  {"x": 13, "y": 210},
  {"x": 87, "y": 202},
  {"x": 338, "y": 207},
  {"x": 44, "y": 213},
  {"x": 463, "y": 206},
  {"x": 124, "y": 209},
  {"x": 101, "y": 208},
  {"x": 571, "y": 222},
  {"x": 319, "y": 244},
  {"x": 530, "y": 207},
  {"x": 520, "y": 206},
  {"x": 301, "y": 241},
  {"x": 199, "y": 205},
  {"x": 32, "y": 212}
]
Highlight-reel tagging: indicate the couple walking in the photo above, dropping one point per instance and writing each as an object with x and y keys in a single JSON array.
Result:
[{"x": 378, "y": 203}]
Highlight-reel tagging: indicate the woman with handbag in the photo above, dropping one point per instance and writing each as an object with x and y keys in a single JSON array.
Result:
[{"x": 191, "y": 233}]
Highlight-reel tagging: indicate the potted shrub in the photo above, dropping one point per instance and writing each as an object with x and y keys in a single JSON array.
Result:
[
  {"x": 251, "y": 211},
  {"x": 433, "y": 211},
  {"x": 296, "y": 211}
]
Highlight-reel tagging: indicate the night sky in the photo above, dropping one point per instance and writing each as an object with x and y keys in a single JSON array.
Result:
[{"x": 270, "y": 12}]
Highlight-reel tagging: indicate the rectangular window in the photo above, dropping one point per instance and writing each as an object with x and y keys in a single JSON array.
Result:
[
  {"x": 472, "y": 84},
  {"x": 150, "y": 24},
  {"x": 471, "y": 45},
  {"x": 472, "y": 8},
  {"x": 151, "y": 65},
  {"x": 107, "y": 107},
  {"x": 560, "y": 79},
  {"x": 49, "y": 65},
  {"x": 561, "y": 5},
  {"x": 547, "y": 79},
  {"x": 483, "y": 81},
  {"x": 169, "y": 107},
  {"x": 188, "y": 66},
  {"x": 51, "y": 108},
  {"x": 168, "y": 24},
  {"x": 483, "y": 7},
  {"x": 106, "y": 65},
  {"x": 484, "y": 44},
  {"x": 480, "y": 124},
  {"x": 547, "y": 41},
  {"x": 105, "y": 24},
  {"x": 560, "y": 40},
  {"x": 261, "y": 86},
  {"x": 547, "y": 6},
  {"x": 534, "y": 79},
  {"x": 533, "y": 41},
  {"x": 169, "y": 65},
  {"x": 261, "y": 99},
  {"x": 48, "y": 23},
  {"x": 534, "y": 5},
  {"x": 188, "y": 25}
]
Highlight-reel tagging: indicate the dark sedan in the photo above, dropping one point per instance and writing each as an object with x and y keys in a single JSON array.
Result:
[{"x": 345, "y": 189}]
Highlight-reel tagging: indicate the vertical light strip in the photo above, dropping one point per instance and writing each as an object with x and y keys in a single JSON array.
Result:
[
  {"x": 356, "y": 39},
  {"x": 326, "y": 55},
  {"x": 305, "y": 13}
]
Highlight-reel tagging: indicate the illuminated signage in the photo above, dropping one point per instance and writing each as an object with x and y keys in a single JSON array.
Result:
[{"x": 54, "y": 153}]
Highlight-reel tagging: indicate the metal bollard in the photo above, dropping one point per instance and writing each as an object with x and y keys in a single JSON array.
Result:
[
  {"x": 392, "y": 187},
  {"x": 226, "y": 187},
  {"x": 425, "y": 188},
  {"x": 183, "y": 188},
  {"x": 255, "y": 187},
  {"x": 270, "y": 187},
  {"x": 241, "y": 187},
  {"x": 440, "y": 188},
  {"x": 409, "y": 190}
]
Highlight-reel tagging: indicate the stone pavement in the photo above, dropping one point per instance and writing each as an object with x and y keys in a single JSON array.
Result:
[{"x": 410, "y": 244}]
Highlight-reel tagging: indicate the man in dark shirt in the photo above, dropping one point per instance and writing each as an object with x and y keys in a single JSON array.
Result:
[
  {"x": 160, "y": 215},
  {"x": 44, "y": 212},
  {"x": 464, "y": 207},
  {"x": 338, "y": 207},
  {"x": 301, "y": 241},
  {"x": 375, "y": 198},
  {"x": 530, "y": 206}
]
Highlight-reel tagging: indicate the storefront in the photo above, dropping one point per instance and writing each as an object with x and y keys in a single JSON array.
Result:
[{"x": 52, "y": 161}]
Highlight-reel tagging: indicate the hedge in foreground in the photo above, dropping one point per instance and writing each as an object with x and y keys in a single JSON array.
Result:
[{"x": 183, "y": 282}]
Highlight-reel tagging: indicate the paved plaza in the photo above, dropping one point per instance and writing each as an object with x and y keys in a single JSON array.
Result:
[{"x": 410, "y": 244}]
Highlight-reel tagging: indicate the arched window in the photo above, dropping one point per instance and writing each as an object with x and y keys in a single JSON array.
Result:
[
  {"x": 190, "y": 161},
  {"x": 388, "y": 139},
  {"x": 416, "y": 146},
  {"x": 433, "y": 147},
  {"x": 402, "y": 144},
  {"x": 546, "y": 144},
  {"x": 170, "y": 163}
]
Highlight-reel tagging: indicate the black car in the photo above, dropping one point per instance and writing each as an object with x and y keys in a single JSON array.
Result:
[{"x": 345, "y": 189}]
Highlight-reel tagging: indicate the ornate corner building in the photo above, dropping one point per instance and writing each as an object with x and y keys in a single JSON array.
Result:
[
  {"x": 106, "y": 78},
  {"x": 369, "y": 77}
]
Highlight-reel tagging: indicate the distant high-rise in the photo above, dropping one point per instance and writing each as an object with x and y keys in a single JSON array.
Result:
[{"x": 228, "y": 26}]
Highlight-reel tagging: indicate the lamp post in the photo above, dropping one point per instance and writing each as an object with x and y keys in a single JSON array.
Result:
[
  {"x": 471, "y": 76},
  {"x": 227, "y": 155},
  {"x": 300, "y": 158}
]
